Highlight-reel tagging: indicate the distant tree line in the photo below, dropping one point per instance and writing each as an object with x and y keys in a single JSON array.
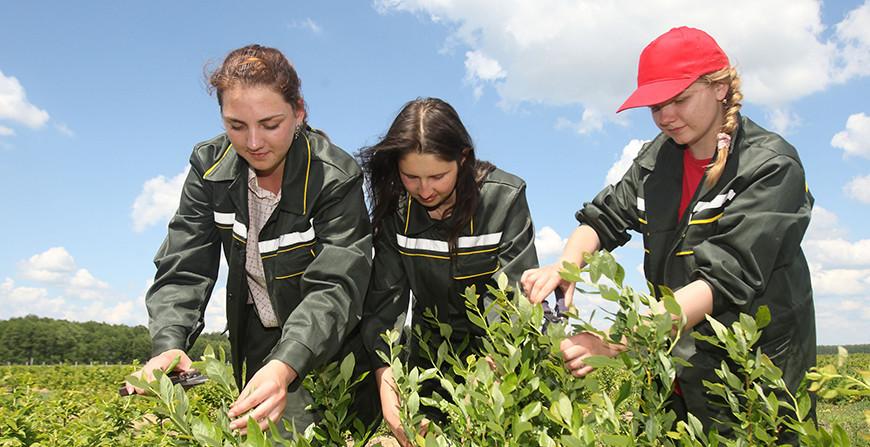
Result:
[
  {"x": 853, "y": 349},
  {"x": 36, "y": 340}
]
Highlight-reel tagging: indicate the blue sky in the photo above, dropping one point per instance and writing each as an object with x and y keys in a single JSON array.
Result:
[{"x": 101, "y": 104}]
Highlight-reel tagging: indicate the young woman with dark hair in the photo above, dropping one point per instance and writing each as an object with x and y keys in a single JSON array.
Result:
[{"x": 443, "y": 221}]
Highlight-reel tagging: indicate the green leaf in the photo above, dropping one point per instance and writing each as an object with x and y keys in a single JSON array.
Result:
[
  {"x": 531, "y": 410},
  {"x": 601, "y": 361},
  {"x": 762, "y": 317},
  {"x": 671, "y": 305},
  {"x": 502, "y": 281},
  {"x": 445, "y": 330},
  {"x": 346, "y": 368},
  {"x": 565, "y": 408},
  {"x": 616, "y": 440}
]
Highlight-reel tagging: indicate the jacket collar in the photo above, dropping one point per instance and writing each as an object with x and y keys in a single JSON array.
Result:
[
  {"x": 649, "y": 156},
  {"x": 295, "y": 196},
  {"x": 414, "y": 217}
]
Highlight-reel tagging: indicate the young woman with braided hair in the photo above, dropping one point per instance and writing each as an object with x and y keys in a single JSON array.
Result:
[{"x": 722, "y": 205}]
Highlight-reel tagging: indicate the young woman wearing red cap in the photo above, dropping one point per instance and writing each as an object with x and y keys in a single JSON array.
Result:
[{"x": 722, "y": 205}]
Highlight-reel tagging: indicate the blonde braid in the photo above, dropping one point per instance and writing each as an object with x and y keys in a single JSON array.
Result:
[{"x": 733, "y": 102}]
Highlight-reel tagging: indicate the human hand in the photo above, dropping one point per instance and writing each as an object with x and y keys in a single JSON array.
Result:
[
  {"x": 540, "y": 282},
  {"x": 160, "y": 361},
  {"x": 263, "y": 398},
  {"x": 390, "y": 404},
  {"x": 579, "y": 346}
]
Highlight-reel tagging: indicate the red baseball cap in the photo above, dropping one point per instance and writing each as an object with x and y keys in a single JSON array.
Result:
[{"x": 671, "y": 63}]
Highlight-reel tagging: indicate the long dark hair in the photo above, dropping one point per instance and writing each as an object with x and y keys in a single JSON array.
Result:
[{"x": 424, "y": 126}]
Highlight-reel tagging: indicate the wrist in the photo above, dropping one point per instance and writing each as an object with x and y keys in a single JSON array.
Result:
[{"x": 284, "y": 372}]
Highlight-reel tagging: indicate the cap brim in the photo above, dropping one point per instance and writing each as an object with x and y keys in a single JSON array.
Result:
[{"x": 655, "y": 93}]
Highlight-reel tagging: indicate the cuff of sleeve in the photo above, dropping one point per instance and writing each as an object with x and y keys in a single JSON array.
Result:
[
  {"x": 295, "y": 354},
  {"x": 720, "y": 303},
  {"x": 170, "y": 337}
]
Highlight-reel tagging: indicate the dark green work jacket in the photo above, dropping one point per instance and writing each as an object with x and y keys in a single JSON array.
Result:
[
  {"x": 316, "y": 250},
  {"x": 412, "y": 254},
  {"x": 742, "y": 237}
]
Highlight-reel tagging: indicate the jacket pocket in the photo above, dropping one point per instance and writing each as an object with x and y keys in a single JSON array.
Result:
[
  {"x": 290, "y": 263},
  {"x": 474, "y": 266}
]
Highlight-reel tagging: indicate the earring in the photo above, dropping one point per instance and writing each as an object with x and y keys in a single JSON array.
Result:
[
  {"x": 724, "y": 101},
  {"x": 298, "y": 129}
]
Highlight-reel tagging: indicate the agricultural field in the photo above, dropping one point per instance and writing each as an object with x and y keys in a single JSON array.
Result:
[{"x": 69, "y": 405}]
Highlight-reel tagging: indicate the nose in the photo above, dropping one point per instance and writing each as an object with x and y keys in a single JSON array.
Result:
[
  {"x": 665, "y": 115},
  {"x": 254, "y": 140},
  {"x": 426, "y": 188}
]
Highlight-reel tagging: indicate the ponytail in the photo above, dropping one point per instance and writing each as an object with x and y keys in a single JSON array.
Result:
[{"x": 731, "y": 104}]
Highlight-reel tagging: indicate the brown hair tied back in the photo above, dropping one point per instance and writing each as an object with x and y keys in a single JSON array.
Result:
[
  {"x": 256, "y": 65},
  {"x": 732, "y": 104}
]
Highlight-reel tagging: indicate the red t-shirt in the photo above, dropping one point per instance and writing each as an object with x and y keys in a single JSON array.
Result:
[{"x": 693, "y": 171}]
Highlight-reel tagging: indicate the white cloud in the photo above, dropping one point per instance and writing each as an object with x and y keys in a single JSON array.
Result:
[
  {"x": 158, "y": 200},
  {"x": 782, "y": 120},
  {"x": 840, "y": 282},
  {"x": 838, "y": 321},
  {"x": 51, "y": 266},
  {"x": 307, "y": 24},
  {"x": 852, "y": 305},
  {"x": 838, "y": 252},
  {"x": 6, "y": 132},
  {"x": 859, "y": 189},
  {"x": 824, "y": 224},
  {"x": 64, "y": 129},
  {"x": 216, "y": 312},
  {"x": 629, "y": 152},
  {"x": 855, "y": 140},
  {"x": 55, "y": 267},
  {"x": 84, "y": 285},
  {"x": 548, "y": 243},
  {"x": 592, "y": 120},
  {"x": 20, "y": 301},
  {"x": 479, "y": 69},
  {"x": 854, "y": 35},
  {"x": 585, "y": 52},
  {"x": 480, "y": 66},
  {"x": 14, "y": 104}
]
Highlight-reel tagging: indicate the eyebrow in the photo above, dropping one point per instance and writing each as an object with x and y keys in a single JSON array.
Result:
[{"x": 268, "y": 118}]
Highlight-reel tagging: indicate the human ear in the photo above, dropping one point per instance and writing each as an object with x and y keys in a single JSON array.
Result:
[
  {"x": 721, "y": 91},
  {"x": 465, "y": 153}
]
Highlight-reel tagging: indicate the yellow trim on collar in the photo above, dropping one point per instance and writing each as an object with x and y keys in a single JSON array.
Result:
[
  {"x": 685, "y": 253},
  {"x": 214, "y": 166},
  {"x": 307, "y": 171},
  {"x": 706, "y": 221},
  {"x": 408, "y": 214},
  {"x": 642, "y": 220}
]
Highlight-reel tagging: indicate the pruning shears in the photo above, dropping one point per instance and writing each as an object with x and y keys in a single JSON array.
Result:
[
  {"x": 187, "y": 379},
  {"x": 556, "y": 314}
]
